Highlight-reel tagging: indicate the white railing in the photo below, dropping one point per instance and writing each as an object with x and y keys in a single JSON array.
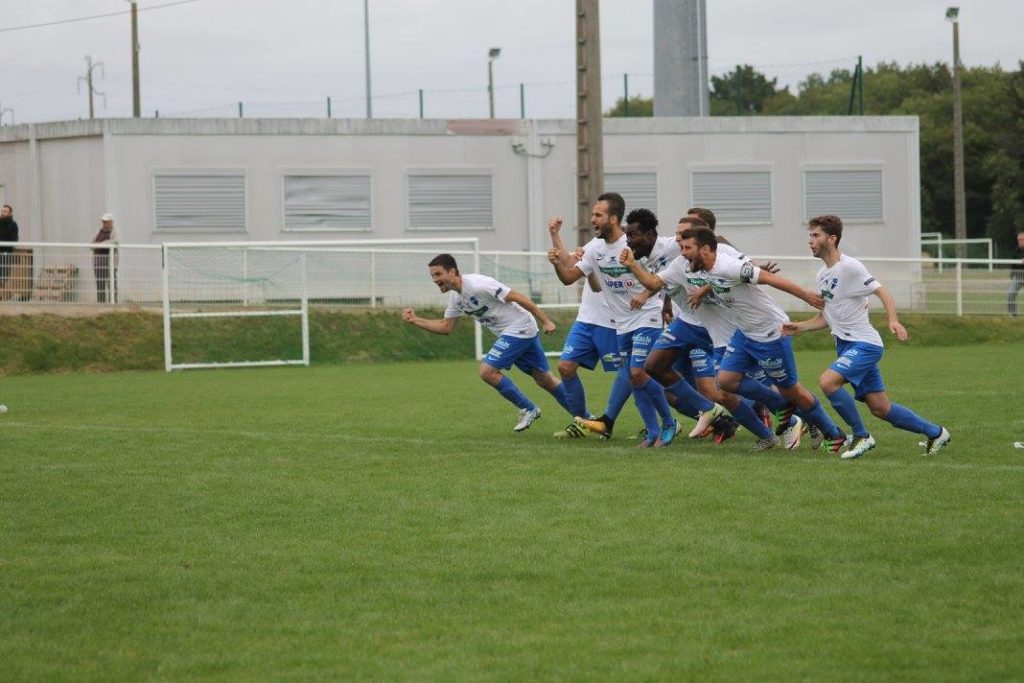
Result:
[{"x": 48, "y": 276}]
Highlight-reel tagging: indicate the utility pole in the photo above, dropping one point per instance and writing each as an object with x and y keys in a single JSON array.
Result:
[
  {"x": 366, "y": 42},
  {"x": 136, "y": 101},
  {"x": 589, "y": 132},
  {"x": 87, "y": 79},
  {"x": 959, "y": 200},
  {"x": 6, "y": 110},
  {"x": 492, "y": 54}
]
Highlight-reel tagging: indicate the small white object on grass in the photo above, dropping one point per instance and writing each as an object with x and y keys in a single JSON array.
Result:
[{"x": 3, "y": 409}]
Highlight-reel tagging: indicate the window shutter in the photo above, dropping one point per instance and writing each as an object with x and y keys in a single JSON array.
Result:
[
  {"x": 851, "y": 195},
  {"x": 199, "y": 203},
  {"x": 450, "y": 202},
  {"x": 639, "y": 190},
  {"x": 329, "y": 202},
  {"x": 735, "y": 196}
]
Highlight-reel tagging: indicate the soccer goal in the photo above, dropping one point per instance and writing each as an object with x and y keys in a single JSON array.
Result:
[{"x": 246, "y": 304}]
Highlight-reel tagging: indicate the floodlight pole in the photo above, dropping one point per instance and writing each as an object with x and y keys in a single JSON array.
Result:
[
  {"x": 492, "y": 54},
  {"x": 366, "y": 42},
  {"x": 959, "y": 194},
  {"x": 136, "y": 100}
]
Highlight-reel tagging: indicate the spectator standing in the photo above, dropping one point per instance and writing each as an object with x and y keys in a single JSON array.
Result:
[
  {"x": 104, "y": 260},
  {"x": 1016, "y": 276},
  {"x": 8, "y": 233}
]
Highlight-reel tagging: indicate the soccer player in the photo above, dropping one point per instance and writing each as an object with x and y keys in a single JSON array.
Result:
[
  {"x": 845, "y": 285},
  {"x": 758, "y": 341},
  {"x": 653, "y": 254},
  {"x": 511, "y": 317},
  {"x": 637, "y": 329},
  {"x": 685, "y": 332},
  {"x": 591, "y": 340}
]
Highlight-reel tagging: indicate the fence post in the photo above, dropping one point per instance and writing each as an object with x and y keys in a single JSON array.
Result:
[
  {"x": 959, "y": 288},
  {"x": 373, "y": 278},
  {"x": 240, "y": 110}
]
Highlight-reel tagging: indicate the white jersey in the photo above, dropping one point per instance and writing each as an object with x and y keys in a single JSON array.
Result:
[
  {"x": 711, "y": 314},
  {"x": 618, "y": 285},
  {"x": 593, "y": 308},
  {"x": 483, "y": 298},
  {"x": 845, "y": 288},
  {"x": 734, "y": 283}
]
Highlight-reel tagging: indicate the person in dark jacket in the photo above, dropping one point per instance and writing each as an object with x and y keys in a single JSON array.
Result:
[
  {"x": 8, "y": 233},
  {"x": 104, "y": 258},
  {"x": 1016, "y": 276}
]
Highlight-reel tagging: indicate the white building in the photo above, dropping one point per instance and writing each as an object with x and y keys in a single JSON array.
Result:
[{"x": 293, "y": 179}]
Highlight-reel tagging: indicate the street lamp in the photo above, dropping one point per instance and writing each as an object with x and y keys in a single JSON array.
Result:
[
  {"x": 959, "y": 203},
  {"x": 492, "y": 54}
]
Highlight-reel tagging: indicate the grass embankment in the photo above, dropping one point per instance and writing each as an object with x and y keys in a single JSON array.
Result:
[{"x": 134, "y": 341}]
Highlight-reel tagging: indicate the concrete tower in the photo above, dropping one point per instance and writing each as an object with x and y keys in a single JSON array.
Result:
[{"x": 680, "y": 58}]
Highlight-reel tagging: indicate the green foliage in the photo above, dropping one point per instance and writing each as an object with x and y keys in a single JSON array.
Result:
[
  {"x": 638, "y": 106},
  {"x": 743, "y": 91},
  {"x": 134, "y": 341},
  {"x": 382, "y": 522}
]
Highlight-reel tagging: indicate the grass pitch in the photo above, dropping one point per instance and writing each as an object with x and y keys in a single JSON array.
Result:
[{"x": 383, "y": 522}]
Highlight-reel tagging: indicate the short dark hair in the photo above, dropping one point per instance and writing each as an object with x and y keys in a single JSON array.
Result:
[
  {"x": 644, "y": 219},
  {"x": 8, "y": 206},
  {"x": 446, "y": 261},
  {"x": 707, "y": 215},
  {"x": 694, "y": 222},
  {"x": 703, "y": 236},
  {"x": 616, "y": 204},
  {"x": 829, "y": 224}
]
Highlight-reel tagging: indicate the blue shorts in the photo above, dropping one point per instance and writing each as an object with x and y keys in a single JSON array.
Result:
[
  {"x": 634, "y": 346},
  {"x": 858, "y": 364},
  {"x": 775, "y": 358},
  {"x": 683, "y": 335},
  {"x": 757, "y": 374},
  {"x": 526, "y": 354},
  {"x": 587, "y": 343},
  {"x": 703, "y": 363}
]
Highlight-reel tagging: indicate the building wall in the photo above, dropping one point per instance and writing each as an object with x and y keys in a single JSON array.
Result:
[{"x": 88, "y": 167}]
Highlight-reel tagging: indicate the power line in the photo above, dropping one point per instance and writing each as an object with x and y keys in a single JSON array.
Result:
[{"x": 94, "y": 16}]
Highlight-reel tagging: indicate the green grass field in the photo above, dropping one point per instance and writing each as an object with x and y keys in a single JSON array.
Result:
[{"x": 383, "y": 522}]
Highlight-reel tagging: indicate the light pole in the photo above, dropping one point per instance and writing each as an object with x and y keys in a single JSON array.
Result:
[
  {"x": 959, "y": 202},
  {"x": 492, "y": 54},
  {"x": 136, "y": 101},
  {"x": 366, "y": 43}
]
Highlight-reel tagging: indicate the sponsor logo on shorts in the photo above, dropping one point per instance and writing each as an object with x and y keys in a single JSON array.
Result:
[{"x": 501, "y": 344}]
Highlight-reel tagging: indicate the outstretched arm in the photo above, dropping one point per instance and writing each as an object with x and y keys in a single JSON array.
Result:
[
  {"x": 439, "y": 326},
  {"x": 647, "y": 279},
  {"x": 890, "y": 312},
  {"x": 790, "y": 287},
  {"x": 526, "y": 302},
  {"x": 818, "y": 322}
]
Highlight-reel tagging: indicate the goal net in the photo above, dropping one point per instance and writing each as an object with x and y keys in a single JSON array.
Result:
[{"x": 245, "y": 304}]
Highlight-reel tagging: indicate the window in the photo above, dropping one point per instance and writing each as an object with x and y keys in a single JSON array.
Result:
[
  {"x": 326, "y": 202},
  {"x": 853, "y": 195},
  {"x": 199, "y": 202},
  {"x": 736, "y": 197},
  {"x": 450, "y": 202},
  {"x": 639, "y": 190}
]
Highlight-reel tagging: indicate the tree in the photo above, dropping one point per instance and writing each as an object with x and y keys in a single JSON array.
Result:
[
  {"x": 742, "y": 91},
  {"x": 638, "y": 106}
]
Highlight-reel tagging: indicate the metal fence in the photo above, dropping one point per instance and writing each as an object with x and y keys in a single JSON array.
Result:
[{"x": 51, "y": 276}]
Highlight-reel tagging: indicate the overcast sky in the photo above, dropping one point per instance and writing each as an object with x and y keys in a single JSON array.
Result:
[{"x": 284, "y": 57}]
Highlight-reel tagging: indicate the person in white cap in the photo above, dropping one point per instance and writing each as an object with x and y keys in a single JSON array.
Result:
[{"x": 104, "y": 259}]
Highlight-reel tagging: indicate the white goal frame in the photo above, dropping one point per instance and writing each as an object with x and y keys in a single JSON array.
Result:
[{"x": 302, "y": 311}]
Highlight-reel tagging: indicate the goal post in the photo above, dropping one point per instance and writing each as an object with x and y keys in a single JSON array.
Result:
[{"x": 260, "y": 288}]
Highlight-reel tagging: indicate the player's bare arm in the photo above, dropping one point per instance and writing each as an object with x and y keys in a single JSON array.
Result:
[
  {"x": 438, "y": 326},
  {"x": 814, "y": 299},
  {"x": 649, "y": 280},
  {"x": 536, "y": 311},
  {"x": 818, "y": 322},
  {"x": 890, "y": 313}
]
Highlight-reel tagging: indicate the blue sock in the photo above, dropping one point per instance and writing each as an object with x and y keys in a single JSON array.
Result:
[
  {"x": 820, "y": 419},
  {"x": 905, "y": 418},
  {"x": 575, "y": 395},
  {"x": 647, "y": 413},
  {"x": 844, "y": 404},
  {"x": 687, "y": 400},
  {"x": 656, "y": 392},
  {"x": 620, "y": 393},
  {"x": 562, "y": 396},
  {"x": 756, "y": 391},
  {"x": 511, "y": 392},
  {"x": 746, "y": 416}
]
